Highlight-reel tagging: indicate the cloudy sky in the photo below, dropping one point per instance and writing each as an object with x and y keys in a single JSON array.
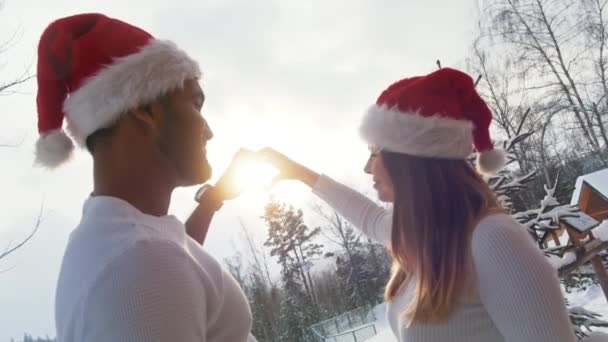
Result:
[{"x": 295, "y": 75}]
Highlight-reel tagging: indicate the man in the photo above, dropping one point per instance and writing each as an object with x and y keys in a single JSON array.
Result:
[{"x": 131, "y": 272}]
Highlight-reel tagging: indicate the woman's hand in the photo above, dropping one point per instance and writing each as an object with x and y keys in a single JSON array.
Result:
[{"x": 288, "y": 169}]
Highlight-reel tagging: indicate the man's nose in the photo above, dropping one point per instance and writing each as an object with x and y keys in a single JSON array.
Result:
[
  {"x": 207, "y": 132},
  {"x": 368, "y": 166}
]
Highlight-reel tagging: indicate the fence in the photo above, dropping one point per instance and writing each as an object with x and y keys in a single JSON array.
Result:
[
  {"x": 353, "y": 326},
  {"x": 345, "y": 322},
  {"x": 358, "y": 335}
]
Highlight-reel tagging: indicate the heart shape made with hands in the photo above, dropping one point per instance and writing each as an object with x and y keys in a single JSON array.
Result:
[{"x": 253, "y": 174}]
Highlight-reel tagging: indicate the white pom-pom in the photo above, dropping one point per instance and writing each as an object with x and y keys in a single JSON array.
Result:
[
  {"x": 53, "y": 149},
  {"x": 490, "y": 162}
]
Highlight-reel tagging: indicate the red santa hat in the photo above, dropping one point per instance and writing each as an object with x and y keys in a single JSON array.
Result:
[
  {"x": 91, "y": 70},
  {"x": 439, "y": 115}
]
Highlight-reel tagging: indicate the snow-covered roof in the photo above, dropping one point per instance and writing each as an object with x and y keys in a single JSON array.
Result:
[
  {"x": 597, "y": 180},
  {"x": 581, "y": 222}
]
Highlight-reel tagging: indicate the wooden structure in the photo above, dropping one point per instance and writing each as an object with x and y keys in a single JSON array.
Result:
[
  {"x": 579, "y": 228},
  {"x": 591, "y": 196}
]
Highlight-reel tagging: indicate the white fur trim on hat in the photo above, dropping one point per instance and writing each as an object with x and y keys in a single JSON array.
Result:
[
  {"x": 130, "y": 81},
  {"x": 490, "y": 162},
  {"x": 53, "y": 149},
  {"x": 411, "y": 133}
]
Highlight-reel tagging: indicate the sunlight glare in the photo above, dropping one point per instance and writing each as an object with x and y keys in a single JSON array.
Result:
[{"x": 254, "y": 176}]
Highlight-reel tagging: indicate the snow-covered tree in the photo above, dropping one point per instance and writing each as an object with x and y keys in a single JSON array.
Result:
[
  {"x": 508, "y": 182},
  {"x": 539, "y": 222},
  {"x": 583, "y": 320},
  {"x": 546, "y": 217}
]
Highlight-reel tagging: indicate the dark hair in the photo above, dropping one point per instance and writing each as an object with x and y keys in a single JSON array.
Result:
[
  {"x": 94, "y": 138},
  {"x": 436, "y": 207}
]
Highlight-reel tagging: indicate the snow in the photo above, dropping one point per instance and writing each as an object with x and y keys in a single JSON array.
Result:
[
  {"x": 382, "y": 327},
  {"x": 559, "y": 262},
  {"x": 591, "y": 299},
  {"x": 538, "y": 219},
  {"x": 385, "y": 335},
  {"x": 601, "y": 232},
  {"x": 598, "y": 180},
  {"x": 596, "y": 337}
]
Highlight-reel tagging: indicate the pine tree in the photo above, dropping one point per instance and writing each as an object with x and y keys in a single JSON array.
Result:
[{"x": 292, "y": 242}]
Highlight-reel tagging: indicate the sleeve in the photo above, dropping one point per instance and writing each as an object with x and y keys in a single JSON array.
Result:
[
  {"x": 152, "y": 292},
  {"x": 363, "y": 213},
  {"x": 518, "y": 287}
]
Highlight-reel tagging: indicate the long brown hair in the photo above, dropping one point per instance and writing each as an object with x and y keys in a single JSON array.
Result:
[{"x": 437, "y": 204}]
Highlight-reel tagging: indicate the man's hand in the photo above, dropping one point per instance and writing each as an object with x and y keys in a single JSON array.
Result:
[
  {"x": 226, "y": 185},
  {"x": 225, "y": 189}
]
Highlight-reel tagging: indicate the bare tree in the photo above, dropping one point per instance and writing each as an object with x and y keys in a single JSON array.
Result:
[
  {"x": 338, "y": 230},
  {"x": 7, "y": 87},
  {"x": 9, "y": 249},
  {"x": 500, "y": 85},
  {"x": 235, "y": 267},
  {"x": 260, "y": 258},
  {"x": 546, "y": 40},
  {"x": 594, "y": 12}
]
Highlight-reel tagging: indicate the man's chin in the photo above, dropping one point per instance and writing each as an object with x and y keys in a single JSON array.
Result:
[
  {"x": 204, "y": 173},
  {"x": 198, "y": 176}
]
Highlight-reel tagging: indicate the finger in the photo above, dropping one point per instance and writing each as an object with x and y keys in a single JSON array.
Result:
[
  {"x": 244, "y": 153},
  {"x": 266, "y": 150},
  {"x": 278, "y": 178},
  {"x": 270, "y": 155}
]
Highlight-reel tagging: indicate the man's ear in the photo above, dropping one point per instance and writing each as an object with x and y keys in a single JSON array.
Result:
[{"x": 148, "y": 115}]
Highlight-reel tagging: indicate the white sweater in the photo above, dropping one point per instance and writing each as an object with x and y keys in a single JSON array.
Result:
[
  {"x": 128, "y": 276},
  {"x": 512, "y": 295}
]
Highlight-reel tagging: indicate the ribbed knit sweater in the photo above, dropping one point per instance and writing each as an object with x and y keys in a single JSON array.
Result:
[
  {"x": 512, "y": 292},
  {"x": 130, "y": 277}
]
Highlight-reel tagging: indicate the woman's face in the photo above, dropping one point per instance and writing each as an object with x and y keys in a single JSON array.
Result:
[{"x": 382, "y": 181}]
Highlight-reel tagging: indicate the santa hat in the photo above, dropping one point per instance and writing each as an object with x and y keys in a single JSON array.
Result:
[
  {"x": 91, "y": 70},
  {"x": 439, "y": 115}
]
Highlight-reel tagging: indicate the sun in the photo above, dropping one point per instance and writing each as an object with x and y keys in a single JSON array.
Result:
[{"x": 254, "y": 176}]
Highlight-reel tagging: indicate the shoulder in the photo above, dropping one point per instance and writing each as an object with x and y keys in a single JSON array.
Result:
[
  {"x": 156, "y": 264},
  {"x": 499, "y": 229},
  {"x": 151, "y": 272},
  {"x": 150, "y": 258},
  {"x": 500, "y": 242},
  {"x": 151, "y": 291}
]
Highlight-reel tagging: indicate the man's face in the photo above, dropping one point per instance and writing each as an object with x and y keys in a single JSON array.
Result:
[{"x": 184, "y": 134}]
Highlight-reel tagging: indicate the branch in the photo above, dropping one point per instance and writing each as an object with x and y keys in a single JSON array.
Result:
[
  {"x": 477, "y": 80},
  {"x": 13, "y": 145},
  {"x": 521, "y": 123},
  {"x": 11, "y": 250},
  {"x": 19, "y": 80}
]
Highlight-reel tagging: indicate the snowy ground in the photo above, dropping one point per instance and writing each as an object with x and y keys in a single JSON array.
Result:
[
  {"x": 592, "y": 299},
  {"x": 384, "y": 331}
]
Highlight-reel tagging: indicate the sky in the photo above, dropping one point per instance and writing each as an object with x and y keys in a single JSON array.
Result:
[{"x": 294, "y": 75}]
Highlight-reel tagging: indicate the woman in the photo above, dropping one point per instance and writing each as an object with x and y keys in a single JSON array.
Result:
[{"x": 463, "y": 270}]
